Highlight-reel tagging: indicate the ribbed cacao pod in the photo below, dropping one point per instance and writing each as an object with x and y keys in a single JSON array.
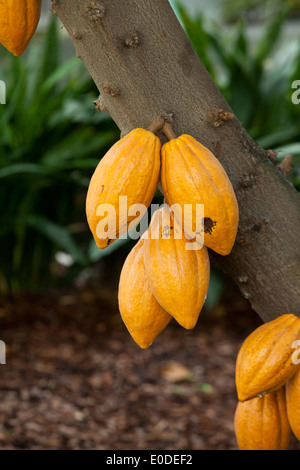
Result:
[
  {"x": 191, "y": 174},
  {"x": 18, "y": 22},
  {"x": 262, "y": 423},
  {"x": 130, "y": 170},
  {"x": 142, "y": 314},
  {"x": 178, "y": 277},
  {"x": 265, "y": 359},
  {"x": 293, "y": 403}
]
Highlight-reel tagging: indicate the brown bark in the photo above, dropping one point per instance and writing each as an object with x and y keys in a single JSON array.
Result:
[{"x": 144, "y": 66}]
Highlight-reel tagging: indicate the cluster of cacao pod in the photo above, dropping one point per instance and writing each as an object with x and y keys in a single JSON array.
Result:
[
  {"x": 18, "y": 22},
  {"x": 161, "y": 278},
  {"x": 268, "y": 386}
]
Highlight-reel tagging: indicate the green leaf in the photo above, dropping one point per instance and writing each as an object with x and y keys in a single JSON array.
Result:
[
  {"x": 271, "y": 140},
  {"x": 60, "y": 73},
  {"x": 294, "y": 149},
  {"x": 49, "y": 58},
  {"x": 204, "y": 387},
  {"x": 215, "y": 289},
  {"x": 95, "y": 254},
  {"x": 21, "y": 168},
  {"x": 272, "y": 33},
  {"x": 59, "y": 235}
]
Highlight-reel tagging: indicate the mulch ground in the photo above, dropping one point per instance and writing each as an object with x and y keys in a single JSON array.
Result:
[{"x": 74, "y": 378}]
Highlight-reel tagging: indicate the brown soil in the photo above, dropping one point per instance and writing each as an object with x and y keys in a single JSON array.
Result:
[{"x": 74, "y": 378}]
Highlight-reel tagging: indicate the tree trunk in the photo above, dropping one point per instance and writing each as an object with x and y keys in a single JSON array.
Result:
[{"x": 144, "y": 66}]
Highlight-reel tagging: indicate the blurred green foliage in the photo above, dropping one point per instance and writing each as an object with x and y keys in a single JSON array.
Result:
[
  {"x": 258, "y": 10},
  {"x": 52, "y": 139},
  {"x": 255, "y": 77}
]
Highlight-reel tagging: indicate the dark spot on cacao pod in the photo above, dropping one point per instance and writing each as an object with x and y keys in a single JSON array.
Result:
[{"x": 209, "y": 225}]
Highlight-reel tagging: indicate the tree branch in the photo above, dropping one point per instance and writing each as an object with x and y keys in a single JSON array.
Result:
[{"x": 144, "y": 66}]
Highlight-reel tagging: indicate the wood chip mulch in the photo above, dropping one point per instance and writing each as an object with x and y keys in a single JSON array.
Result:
[{"x": 74, "y": 378}]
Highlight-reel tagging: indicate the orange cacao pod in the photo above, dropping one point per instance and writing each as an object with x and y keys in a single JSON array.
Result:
[
  {"x": 130, "y": 171},
  {"x": 191, "y": 174},
  {"x": 262, "y": 423},
  {"x": 293, "y": 403},
  {"x": 140, "y": 311},
  {"x": 178, "y": 277},
  {"x": 265, "y": 359},
  {"x": 18, "y": 22}
]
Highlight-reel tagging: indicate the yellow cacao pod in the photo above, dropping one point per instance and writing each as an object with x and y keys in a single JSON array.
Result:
[
  {"x": 293, "y": 403},
  {"x": 126, "y": 176},
  {"x": 265, "y": 360},
  {"x": 262, "y": 423},
  {"x": 191, "y": 174},
  {"x": 178, "y": 277},
  {"x": 142, "y": 314},
  {"x": 18, "y": 22}
]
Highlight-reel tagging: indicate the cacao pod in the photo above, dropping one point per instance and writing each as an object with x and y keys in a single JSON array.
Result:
[
  {"x": 191, "y": 174},
  {"x": 265, "y": 359},
  {"x": 293, "y": 403},
  {"x": 142, "y": 314},
  {"x": 18, "y": 22},
  {"x": 178, "y": 277},
  {"x": 128, "y": 172},
  {"x": 262, "y": 423}
]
